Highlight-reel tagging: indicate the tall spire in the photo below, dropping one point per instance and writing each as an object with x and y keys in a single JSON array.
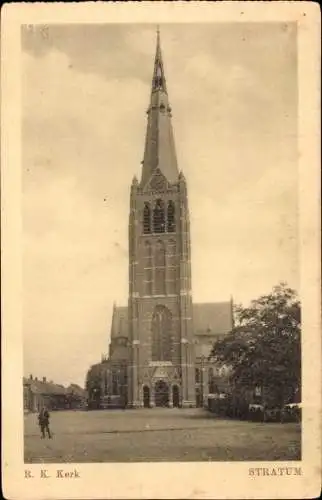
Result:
[{"x": 159, "y": 150}]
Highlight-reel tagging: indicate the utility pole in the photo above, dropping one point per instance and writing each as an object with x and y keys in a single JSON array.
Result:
[{"x": 202, "y": 378}]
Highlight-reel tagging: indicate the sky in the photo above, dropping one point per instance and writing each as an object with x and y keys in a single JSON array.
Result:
[{"x": 85, "y": 91}]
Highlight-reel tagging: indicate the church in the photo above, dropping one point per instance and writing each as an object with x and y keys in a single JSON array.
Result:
[{"x": 160, "y": 342}]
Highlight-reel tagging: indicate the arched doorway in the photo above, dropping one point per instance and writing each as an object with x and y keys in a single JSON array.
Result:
[
  {"x": 146, "y": 397},
  {"x": 175, "y": 396},
  {"x": 161, "y": 393}
]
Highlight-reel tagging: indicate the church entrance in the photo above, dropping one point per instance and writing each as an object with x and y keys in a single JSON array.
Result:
[
  {"x": 146, "y": 397},
  {"x": 175, "y": 396},
  {"x": 161, "y": 394}
]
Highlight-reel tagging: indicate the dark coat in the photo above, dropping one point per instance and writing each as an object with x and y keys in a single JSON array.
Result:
[{"x": 43, "y": 417}]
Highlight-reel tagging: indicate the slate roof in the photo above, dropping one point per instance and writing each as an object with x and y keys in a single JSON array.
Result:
[
  {"x": 214, "y": 318},
  {"x": 210, "y": 319}
]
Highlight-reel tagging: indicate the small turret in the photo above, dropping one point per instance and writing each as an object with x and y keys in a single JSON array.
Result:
[{"x": 135, "y": 181}]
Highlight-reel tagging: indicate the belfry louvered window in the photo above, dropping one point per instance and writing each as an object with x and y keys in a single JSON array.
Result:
[
  {"x": 147, "y": 219},
  {"x": 159, "y": 217},
  {"x": 171, "y": 217}
]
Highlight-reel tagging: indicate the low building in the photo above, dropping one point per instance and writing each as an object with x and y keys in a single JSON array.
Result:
[
  {"x": 40, "y": 392},
  {"x": 76, "y": 397}
]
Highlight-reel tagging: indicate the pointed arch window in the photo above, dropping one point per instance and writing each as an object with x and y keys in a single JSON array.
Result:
[
  {"x": 147, "y": 218},
  {"x": 171, "y": 217},
  {"x": 159, "y": 263},
  {"x": 115, "y": 388},
  {"x": 161, "y": 334},
  {"x": 147, "y": 263},
  {"x": 159, "y": 217}
]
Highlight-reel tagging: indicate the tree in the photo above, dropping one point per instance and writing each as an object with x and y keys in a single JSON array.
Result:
[
  {"x": 93, "y": 386},
  {"x": 264, "y": 346}
]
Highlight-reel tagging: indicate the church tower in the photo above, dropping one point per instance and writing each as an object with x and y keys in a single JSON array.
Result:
[{"x": 161, "y": 368}]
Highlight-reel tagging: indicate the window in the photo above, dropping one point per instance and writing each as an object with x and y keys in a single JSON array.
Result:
[
  {"x": 114, "y": 384},
  {"x": 146, "y": 219},
  {"x": 159, "y": 261},
  {"x": 159, "y": 217},
  {"x": 161, "y": 334},
  {"x": 171, "y": 217},
  {"x": 211, "y": 383},
  {"x": 197, "y": 375}
]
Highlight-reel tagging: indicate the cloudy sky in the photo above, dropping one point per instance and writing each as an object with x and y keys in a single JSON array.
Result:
[{"x": 233, "y": 91}]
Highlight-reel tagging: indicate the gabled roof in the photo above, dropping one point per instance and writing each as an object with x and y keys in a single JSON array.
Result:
[
  {"x": 41, "y": 387},
  {"x": 209, "y": 319},
  {"x": 215, "y": 318},
  {"x": 76, "y": 389}
]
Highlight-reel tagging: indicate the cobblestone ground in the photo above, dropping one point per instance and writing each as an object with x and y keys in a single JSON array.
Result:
[{"x": 157, "y": 435}]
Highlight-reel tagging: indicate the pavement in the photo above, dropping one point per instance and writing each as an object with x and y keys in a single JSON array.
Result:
[{"x": 157, "y": 435}]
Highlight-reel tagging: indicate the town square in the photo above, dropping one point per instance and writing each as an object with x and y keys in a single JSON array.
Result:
[{"x": 158, "y": 435}]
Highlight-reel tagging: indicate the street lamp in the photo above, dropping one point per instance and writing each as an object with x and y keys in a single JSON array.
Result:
[
  {"x": 202, "y": 378},
  {"x": 185, "y": 343}
]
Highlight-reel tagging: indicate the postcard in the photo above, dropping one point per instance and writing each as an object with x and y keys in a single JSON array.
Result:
[{"x": 160, "y": 250}]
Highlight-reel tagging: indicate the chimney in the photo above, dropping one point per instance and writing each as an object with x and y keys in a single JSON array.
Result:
[
  {"x": 44, "y": 380},
  {"x": 30, "y": 377}
]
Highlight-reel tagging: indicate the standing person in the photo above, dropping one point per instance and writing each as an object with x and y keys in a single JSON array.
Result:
[{"x": 43, "y": 419}]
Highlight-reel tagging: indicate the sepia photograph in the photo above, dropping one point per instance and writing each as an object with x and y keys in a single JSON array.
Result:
[
  {"x": 163, "y": 287},
  {"x": 162, "y": 320}
]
